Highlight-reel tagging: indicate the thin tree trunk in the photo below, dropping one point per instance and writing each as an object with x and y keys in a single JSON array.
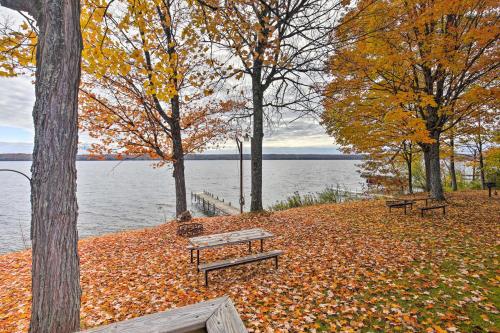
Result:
[
  {"x": 175, "y": 126},
  {"x": 54, "y": 210},
  {"x": 480, "y": 153},
  {"x": 453, "y": 173},
  {"x": 180, "y": 181},
  {"x": 427, "y": 164},
  {"x": 408, "y": 157},
  {"x": 474, "y": 166},
  {"x": 410, "y": 177},
  {"x": 481, "y": 164},
  {"x": 257, "y": 139}
]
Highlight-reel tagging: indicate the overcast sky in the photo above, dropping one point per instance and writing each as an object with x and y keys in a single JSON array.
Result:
[{"x": 17, "y": 96}]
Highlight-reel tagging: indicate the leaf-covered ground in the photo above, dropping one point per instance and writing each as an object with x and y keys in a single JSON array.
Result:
[{"x": 348, "y": 267}]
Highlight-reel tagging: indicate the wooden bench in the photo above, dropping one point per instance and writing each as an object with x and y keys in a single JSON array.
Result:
[
  {"x": 238, "y": 261},
  {"x": 399, "y": 204},
  {"x": 423, "y": 209},
  {"x": 215, "y": 316}
]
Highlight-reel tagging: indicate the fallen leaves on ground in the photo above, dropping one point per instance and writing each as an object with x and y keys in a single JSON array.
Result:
[{"x": 351, "y": 267}]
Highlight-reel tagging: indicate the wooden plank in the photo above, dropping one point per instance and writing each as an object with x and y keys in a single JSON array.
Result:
[
  {"x": 399, "y": 204},
  {"x": 226, "y": 319},
  {"x": 432, "y": 207},
  {"x": 240, "y": 260},
  {"x": 180, "y": 320},
  {"x": 243, "y": 234},
  {"x": 227, "y": 238}
]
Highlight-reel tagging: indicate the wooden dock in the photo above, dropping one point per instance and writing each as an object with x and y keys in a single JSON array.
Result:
[{"x": 212, "y": 205}]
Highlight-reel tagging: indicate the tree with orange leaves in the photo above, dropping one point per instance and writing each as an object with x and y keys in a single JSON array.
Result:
[
  {"x": 147, "y": 85},
  {"x": 419, "y": 59}
]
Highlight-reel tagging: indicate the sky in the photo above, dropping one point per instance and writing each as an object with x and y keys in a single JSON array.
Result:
[{"x": 17, "y": 96}]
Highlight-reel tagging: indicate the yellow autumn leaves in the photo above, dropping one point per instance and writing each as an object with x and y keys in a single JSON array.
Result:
[{"x": 402, "y": 64}]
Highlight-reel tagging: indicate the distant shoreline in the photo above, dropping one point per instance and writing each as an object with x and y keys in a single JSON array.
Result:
[{"x": 199, "y": 157}]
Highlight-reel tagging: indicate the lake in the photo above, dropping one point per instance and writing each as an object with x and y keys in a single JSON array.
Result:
[{"x": 121, "y": 195}]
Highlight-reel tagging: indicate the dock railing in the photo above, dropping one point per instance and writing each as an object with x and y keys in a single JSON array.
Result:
[{"x": 210, "y": 204}]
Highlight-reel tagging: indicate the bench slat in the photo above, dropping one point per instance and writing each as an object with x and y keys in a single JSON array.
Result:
[
  {"x": 423, "y": 209},
  {"x": 399, "y": 204},
  {"x": 432, "y": 207},
  {"x": 241, "y": 260},
  {"x": 234, "y": 237}
]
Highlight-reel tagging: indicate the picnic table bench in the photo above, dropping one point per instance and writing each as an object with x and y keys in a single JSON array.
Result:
[
  {"x": 423, "y": 209},
  {"x": 208, "y": 267},
  {"x": 405, "y": 202},
  {"x": 230, "y": 238}
]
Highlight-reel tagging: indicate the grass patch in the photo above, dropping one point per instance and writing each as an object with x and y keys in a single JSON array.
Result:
[{"x": 327, "y": 196}]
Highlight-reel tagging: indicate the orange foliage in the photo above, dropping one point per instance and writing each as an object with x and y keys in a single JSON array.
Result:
[
  {"x": 146, "y": 85},
  {"x": 347, "y": 267},
  {"x": 410, "y": 70}
]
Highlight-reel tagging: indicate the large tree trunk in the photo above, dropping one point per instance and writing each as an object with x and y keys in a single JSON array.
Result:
[
  {"x": 453, "y": 172},
  {"x": 435, "y": 170},
  {"x": 180, "y": 181},
  {"x": 258, "y": 135},
  {"x": 256, "y": 150},
  {"x": 55, "y": 269}
]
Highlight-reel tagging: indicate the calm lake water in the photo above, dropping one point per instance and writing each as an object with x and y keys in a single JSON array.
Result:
[{"x": 115, "y": 196}]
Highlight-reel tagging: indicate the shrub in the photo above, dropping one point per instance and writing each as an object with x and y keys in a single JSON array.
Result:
[{"x": 328, "y": 195}]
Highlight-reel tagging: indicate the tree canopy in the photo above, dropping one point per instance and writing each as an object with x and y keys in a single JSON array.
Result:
[{"x": 411, "y": 75}]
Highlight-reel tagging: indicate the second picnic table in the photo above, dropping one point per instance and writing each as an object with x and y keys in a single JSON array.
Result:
[{"x": 228, "y": 238}]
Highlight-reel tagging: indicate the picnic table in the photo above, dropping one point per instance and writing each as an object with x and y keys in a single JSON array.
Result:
[
  {"x": 228, "y": 238},
  {"x": 405, "y": 202},
  {"x": 399, "y": 203}
]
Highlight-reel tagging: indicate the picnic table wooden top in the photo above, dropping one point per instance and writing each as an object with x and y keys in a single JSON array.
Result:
[
  {"x": 227, "y": 238},
  {"x": 411, "y": 199},
  {"x": 417, "y": 198}
]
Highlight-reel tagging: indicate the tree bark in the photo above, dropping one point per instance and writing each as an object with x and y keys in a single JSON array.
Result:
[
  {"x": 54, "y": 210},
  {"x": 257, "y": 139},
  {"x": 427, "y": 164},
  {"x": 410, "y": 177},
  {"x": 408, "y": 157},
  {"x": 480, "y": 153},
  {"x": 180, "y": 181},
  {"x": 474, "y": 166},
  {"x": 481, "y": 163},
  {"x": 435, "y": 170},
  {"x": 453, "y": 173}
]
